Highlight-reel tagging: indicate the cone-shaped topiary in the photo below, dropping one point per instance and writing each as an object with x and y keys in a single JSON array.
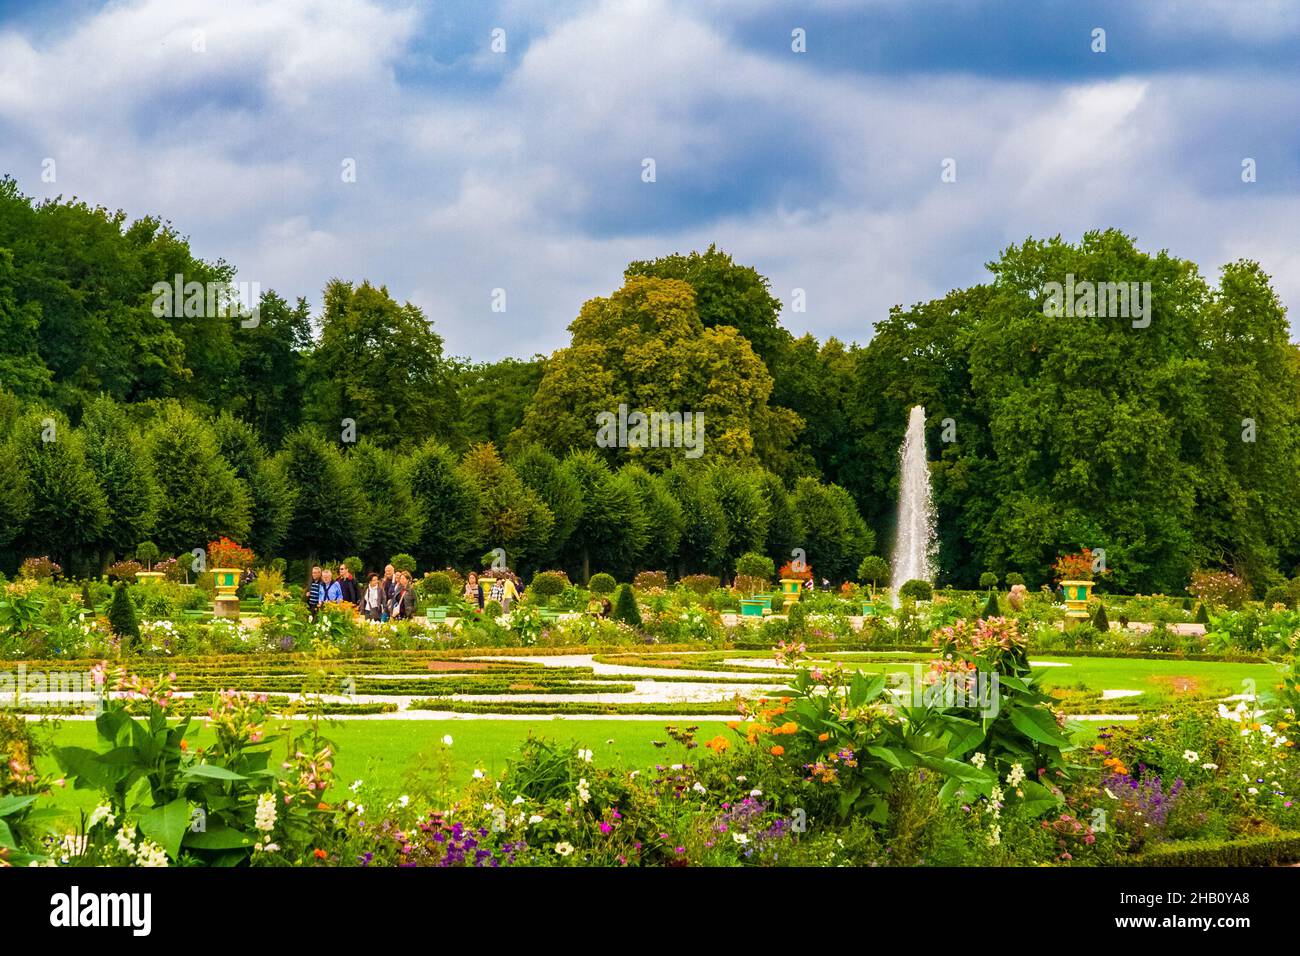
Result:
[
  {"x": 1099, "y": 620},
  {"x": 1202, "y": 615},
  {"x": 991, "y": 608},
  {"x": 86, "y": 600},
  {"x": 625, "y": 608},
  {"x": 121, "y": 618}
]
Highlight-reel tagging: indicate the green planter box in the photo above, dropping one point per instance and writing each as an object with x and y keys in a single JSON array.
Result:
[
  {"x": 868, "y": 608},
  {"x": 435, "y": 614},
  {"x": 752, "y": 608}
]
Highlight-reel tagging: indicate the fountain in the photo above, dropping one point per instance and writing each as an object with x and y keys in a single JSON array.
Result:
[{"x": 915, "y": 544}]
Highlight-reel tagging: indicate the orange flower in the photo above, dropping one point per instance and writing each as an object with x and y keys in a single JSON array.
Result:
[
  {"x": 184, "y": 746},
  {"x": 733, "y": 724},
  {"x": 823, "y": 737},
  {"x": 322, "y": 806},
  {"x": 321, "y": 854},
  {"x": 789, "y": 727},
  {"x": 785, "y": 701},
  {"x": 718, "y": 744},
  {"x": 777, "y": 750}
]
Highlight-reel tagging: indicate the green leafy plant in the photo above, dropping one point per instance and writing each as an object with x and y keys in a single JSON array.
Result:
[{"x": 602, "y": 583}]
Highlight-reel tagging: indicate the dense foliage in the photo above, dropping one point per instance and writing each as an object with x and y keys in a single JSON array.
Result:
[{"x": 1170, "y": 445}]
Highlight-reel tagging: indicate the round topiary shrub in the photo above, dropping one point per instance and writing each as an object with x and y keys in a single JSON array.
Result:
[
  {"x": 549, "y": 584},
  {"x": 355, "y": 565},
  {"x": 435, "y": 584},
  {"x": 625, "y": 608},
  {"x": 402, "y": 562},
  {"x": 753, "y": 565},
  {"x": 873, "y": 570},
  {"x": 1014, "y": 578},
  {"x": 602, "y": 583},
  {"x": 988, "y": 580},
  {"x": 916, "y": 590}
]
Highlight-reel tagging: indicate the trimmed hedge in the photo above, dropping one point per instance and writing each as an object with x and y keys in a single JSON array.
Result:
[{"x": 1250, "y": 851}]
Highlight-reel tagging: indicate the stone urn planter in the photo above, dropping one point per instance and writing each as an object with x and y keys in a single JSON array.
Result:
[
  {"x": 226, "y": 581},
  {"x": 791, "y": 589},
  {"x": 149, "y": 576},
  {"x": 1076, "y": 599}
]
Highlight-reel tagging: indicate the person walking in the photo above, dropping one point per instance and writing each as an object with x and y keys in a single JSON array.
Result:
[
  {"x": 403, "y": 606},
  {"x": 474, "y": 592},
  {"x": 313, "y": 593},
  {"x": 372, "y": 599},
  {"x": 330, "y": 590},
  {"x": 348, "y": 585}
]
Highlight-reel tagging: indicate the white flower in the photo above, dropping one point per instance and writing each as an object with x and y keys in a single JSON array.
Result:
[
  {"x": 356, "y": 785},
  {"x": 1191, "y": 756},
  {"x": 126, "y": 839},
  {"x": 1209, "y": 766},
  {"x": 104, "y": 813},
  {"x": 1016, "y": 776},
  {"x": 150, "y": 854},
  {"x": 564, "y": 848},
  {"x": 446, "y": 740},
  {"x": 478, "y": 774},
  {"x": 264, "y": 818},
  {"x": 699, "y": 787},
  {"x": 756, "y": 792},
  {"x": 978, "y": 760},
  {"x": 741, "y": 838},
  {"x": 585, "y": 755},
  {"x": 516, "y": 801},
  {"x": 535, "y": 818},
  {"x": 73, "y": 845},
  {"x": 1252, "y": 790},
  {"x": 584, "y": 790},
  {"x": 403, "y": 801},
  {"x": 995, "y": 835}
]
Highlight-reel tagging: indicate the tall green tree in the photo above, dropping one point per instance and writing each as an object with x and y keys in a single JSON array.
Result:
[
  {"x": 448, "y": 505},
  {"x": 391, "y": 517},
  {"x": 706, "y": 531},
  {"x": 270, "y": 495},
  {"x": 612, "y": 526},
  {"x": 328, "y": 511},
  {"x": 542, "y": 472},
  {"x": 68, "y": 509},
  {"x": 379, "y": 365},
  {"x": 200, "y": 498},
  {"x": 116, "y": 455},
  {"x": 645, "y": 348},
  {"x": 513, "y": 517},
  {"x": 664, "y": 518}
]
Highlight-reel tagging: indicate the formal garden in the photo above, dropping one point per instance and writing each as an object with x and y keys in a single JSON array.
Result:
[{"x": 646, "y": 722}]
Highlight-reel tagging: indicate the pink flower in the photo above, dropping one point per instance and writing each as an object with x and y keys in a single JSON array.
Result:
[{"x": 606, "y": 828}]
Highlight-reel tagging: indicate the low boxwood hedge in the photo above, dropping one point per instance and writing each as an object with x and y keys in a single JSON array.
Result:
[{"x": 1249, "y": 851}]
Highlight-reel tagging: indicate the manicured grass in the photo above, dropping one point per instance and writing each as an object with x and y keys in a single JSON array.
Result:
[
  {"x": 1167, "y": 679},
  {"x": 384, "y": 753}
]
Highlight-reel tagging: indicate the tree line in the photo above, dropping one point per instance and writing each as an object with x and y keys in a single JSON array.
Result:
[{"x": 1170, "y": 447}]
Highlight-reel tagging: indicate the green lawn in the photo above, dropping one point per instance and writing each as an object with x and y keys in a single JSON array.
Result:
[{"x": 384, "y": 753}]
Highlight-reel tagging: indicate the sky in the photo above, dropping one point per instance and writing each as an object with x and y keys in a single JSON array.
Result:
[{"x": 521, "y": 169}]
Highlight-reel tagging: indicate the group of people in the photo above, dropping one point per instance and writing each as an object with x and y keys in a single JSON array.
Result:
[
  {"x": 503, "y": 591},
  {"x": 387, "y": 598}
]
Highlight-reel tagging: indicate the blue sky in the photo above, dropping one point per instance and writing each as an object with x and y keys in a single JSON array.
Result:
[{"x": 521, "y": 170}]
